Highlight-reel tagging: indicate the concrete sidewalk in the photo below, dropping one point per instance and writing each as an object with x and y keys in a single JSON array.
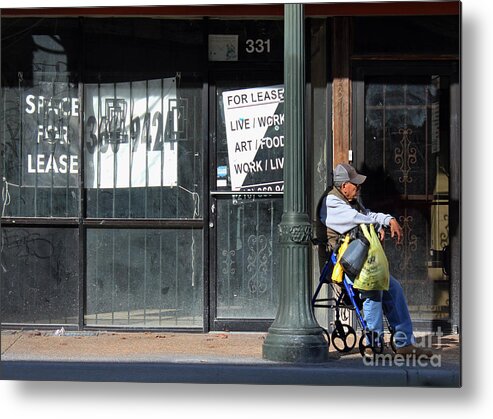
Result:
[{"x": 206, "y": 358}]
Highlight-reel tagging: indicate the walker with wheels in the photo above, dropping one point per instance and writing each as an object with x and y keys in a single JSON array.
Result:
[{"x": 343, "y": 336}]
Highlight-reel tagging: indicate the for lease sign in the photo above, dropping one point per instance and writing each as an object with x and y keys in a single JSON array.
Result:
[
  {"x": 50, "y": 135},
  {"x": 254, "y": 121}
]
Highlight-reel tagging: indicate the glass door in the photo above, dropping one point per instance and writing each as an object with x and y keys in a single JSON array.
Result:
[
  {"x": 247, "y": 129},
  {"x": 405, "y": 144}
]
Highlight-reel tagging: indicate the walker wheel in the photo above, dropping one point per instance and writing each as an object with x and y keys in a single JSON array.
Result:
[
  {"x": 343, "y": 337},
  {"x": 392, "y": 341},
  {"x": 375, "y": 343}
]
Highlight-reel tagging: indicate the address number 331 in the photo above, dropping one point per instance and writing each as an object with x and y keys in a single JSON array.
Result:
[{"x": 258, "y": 46}]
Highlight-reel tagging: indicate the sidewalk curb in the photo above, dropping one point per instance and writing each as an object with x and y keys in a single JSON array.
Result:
[{"x": 225, "y": 373}]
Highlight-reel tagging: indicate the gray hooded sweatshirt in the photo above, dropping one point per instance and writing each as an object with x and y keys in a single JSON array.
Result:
[{"x": 340, "y": 216}]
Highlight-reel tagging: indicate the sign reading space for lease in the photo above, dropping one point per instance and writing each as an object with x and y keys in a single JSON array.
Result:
[
  {"x": 50, "y": 134},
  {"x": 128, "y": 135},
  {"x": 254, "y": 121}
]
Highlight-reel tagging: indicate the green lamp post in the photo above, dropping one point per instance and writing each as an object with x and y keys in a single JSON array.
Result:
[{"x": 295, "y": 335}]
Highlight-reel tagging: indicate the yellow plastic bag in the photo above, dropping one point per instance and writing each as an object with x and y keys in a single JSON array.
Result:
[
  {"x": 375, "y": 272},
  {"x": 337, "y": 272}
]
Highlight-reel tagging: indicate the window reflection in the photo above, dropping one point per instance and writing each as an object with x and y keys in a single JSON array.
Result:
[
  {"x": 39, "y": 275},
  {"x": 149, "y": 278},
  {"x": 406, "y": 158},
  {"x": 248, "y": 257}
]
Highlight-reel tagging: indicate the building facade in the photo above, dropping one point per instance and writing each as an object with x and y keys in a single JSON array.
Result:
[{"x": 142, "y": 157}]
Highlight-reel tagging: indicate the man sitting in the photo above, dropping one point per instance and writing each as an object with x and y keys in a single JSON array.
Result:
[{"x": 341, "y": 212}]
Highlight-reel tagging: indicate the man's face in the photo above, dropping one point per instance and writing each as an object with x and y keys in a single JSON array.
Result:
[{"x": 350, "y": 190}]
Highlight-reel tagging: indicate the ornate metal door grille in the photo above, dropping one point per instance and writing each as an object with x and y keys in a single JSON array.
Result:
[{"x": 405, "y": 153}]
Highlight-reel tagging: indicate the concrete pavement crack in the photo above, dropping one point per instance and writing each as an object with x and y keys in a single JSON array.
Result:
[{"x": 12, "y": 344}]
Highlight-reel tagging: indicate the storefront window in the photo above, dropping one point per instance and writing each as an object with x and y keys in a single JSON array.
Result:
[
  {"x": 248, "y": 261},
  {"x": 249, "y": 181},
  {"x": 143, "y": 154},
  {"x": 143, "y": 118},
  {"x": 150, "y": 278},
  {"x": 143, "y": 159},
  {"x": 407, "y": 136},
  {"x": 102, "y": 118},
  {"x": 39, "y": 275},
  {"x": 40, "y": 119}
]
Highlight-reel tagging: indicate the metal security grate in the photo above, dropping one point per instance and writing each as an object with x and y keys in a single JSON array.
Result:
[
  {"x": 406, "y": 136},
  {"x": 40, "y": 149},
  {"x": 142, "y": 157}
]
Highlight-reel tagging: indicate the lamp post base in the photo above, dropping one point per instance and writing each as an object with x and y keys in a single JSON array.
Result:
[{"x": 295, "y": 346}]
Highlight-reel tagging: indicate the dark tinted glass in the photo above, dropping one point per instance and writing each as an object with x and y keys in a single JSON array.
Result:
[
  {"x": 39, "y": 275},
  {"x": 144, "y": 278},
  {"x": 406, "y": 35},
  {"x": 248, "y": 257},
  {"x": 40, "y": 112}
]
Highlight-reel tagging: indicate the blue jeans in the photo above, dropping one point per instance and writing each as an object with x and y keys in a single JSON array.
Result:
[{"x": 393, "y": 304}]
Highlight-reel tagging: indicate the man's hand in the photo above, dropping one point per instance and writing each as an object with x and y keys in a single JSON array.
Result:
[
  {"x": 395, "y": 229},
  {"x": 381, "y": 234}
]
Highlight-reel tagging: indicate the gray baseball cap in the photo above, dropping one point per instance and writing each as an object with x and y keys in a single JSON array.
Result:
[{"x": 347, "y": 173}]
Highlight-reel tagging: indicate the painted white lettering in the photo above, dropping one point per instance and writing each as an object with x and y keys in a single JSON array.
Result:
[
  {"x": 74, "y": 164},
  {"x": 41, "y": 101},
  {"x": 75, "y": 107},
  {"x": 268, "y": 121},
  {"x": 40, "y": 163},
  {"x": 65, "y": 106},
  {"x": 30, "y": 168},
  {"x": 52, "y": 133},
  {"x": 63, "y": 164},
  {"x": 30, "y": 102},
  {"x": 276, "y": 164},
  {"x": 51, "y": 165},
  {"x": 43, "y": 163},
  {"x": 272, "y": 142},
  {"x": 41, "y": 133}
]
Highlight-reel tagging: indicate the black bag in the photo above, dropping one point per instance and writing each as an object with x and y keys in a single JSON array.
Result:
[{"x": 354, "y": 257}]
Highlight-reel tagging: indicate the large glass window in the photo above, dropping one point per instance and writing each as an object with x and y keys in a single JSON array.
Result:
[
  {"x": 407, "y": 158},
  {"x": 249, "y": 154},
  {"x": 39, "y": 275},
  {"x": 39, "y": 121},
  {"x": 248, "y": 259},
  {"x": 143, "y": 156},
  {"x": 143, "y": 118},
  {"x": 147, "y": 278},
  {"x": 102, "y": 119},
  {"x": 143, "y": 159},
  {"x": 40, "y": 165}
]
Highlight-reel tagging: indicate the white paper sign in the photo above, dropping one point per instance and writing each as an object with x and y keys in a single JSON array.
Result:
[
  {"x": 127, "y": 134},
  {"x": 254, "y": 121}
]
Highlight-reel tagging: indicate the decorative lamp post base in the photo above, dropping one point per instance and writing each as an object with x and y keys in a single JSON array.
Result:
[
  {"x": 295, "y": 335},
  {"x": 290, "y": 346}
]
